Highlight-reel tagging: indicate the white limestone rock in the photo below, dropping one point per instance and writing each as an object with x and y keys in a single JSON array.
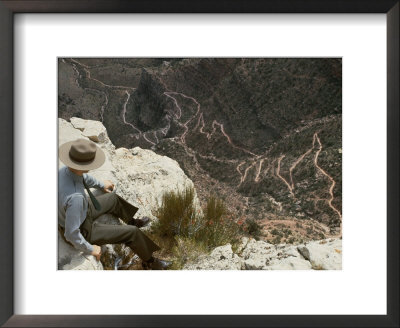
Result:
[
  {"x": 143, "y": 177},
  {"x": 289, "y": 263},
  {"x": 260, "y": 255},
  {"x": 94, "y": 130},
  {"x": 221, "y": 258},
  {"x": 71, "y": 259},
  {"x": 67, "y": 132},
  {"x": 323, "y": 254}
]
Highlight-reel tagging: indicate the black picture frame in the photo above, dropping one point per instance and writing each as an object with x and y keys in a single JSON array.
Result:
[{"x": 10, "y": 7}]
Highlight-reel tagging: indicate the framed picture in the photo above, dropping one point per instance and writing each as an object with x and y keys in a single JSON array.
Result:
[{"x": 39, "y": 51}]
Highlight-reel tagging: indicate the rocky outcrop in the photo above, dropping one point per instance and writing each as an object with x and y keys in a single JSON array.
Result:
[
  {"x": 324, "y": 254},
  {"x": 259, "y": 255},
  {"x": 70, "y": 259},
  {"x": 94, "y": 130},
  {"x": 141, "y": 177}
]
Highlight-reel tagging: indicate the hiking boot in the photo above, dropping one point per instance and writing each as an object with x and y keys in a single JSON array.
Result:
[
  {"x": 156, "y": 264},
  {"x": 140, "y": 223}
]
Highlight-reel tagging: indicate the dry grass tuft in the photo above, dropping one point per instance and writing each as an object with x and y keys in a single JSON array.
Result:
[{"x": 186, "y": 233}]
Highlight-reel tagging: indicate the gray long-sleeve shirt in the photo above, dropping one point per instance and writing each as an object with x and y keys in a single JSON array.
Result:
[{"x": 73, "y": 205}]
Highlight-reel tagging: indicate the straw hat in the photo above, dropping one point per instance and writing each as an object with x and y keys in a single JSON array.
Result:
[{"x": 81, "y": 154}]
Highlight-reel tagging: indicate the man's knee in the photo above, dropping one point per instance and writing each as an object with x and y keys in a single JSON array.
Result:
[
  {"x": 133, "y": 231},
  {"x": 108, "y": 200},
  {"x": 111, "y": 195}
]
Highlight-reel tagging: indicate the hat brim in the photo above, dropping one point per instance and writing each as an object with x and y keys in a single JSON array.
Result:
[{"x": 63, "y": 154}]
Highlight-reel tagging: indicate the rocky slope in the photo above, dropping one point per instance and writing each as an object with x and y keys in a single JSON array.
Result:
[
  {"x": 141, "y": 176},
  {"x": 262, "y": 133}
]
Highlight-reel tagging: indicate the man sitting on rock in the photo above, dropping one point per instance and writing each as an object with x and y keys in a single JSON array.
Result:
[{"x": 77, "y": 216}]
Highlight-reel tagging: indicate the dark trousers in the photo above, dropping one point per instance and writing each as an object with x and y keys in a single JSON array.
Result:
[{"x": 99, "y": 234}]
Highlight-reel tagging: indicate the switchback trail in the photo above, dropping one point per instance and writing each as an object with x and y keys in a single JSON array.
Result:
[
  {"x": 196, "y": 115},
  {"x": 291, "y": 185},
  {"x": 328, "y": 176}
]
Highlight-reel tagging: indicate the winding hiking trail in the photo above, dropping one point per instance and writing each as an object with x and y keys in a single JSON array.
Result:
[
  {"x": 297, "y": 162},
  {"x": 291, "y": 185},
  {"x": 185, "y": 125},
  {"x": 200, "y": 126},
  {"x": 141, "y": 134},
  {"x": 124, "y": 114},
  {"x": 281, "y": 177},
  {"x": 95, "y": 90},
  {"x": 257, "y": 177},
  {"x": 221, "y": 127},
  {"x": 328, "y": 176},
  {"x": 86, "y": 69},
  {"x": 127, "y": 90}
]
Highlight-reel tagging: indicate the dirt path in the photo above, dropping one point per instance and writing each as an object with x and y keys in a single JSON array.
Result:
[
  {"x": 328, "y": 176},
  {"x": 297, "y": 162},
  {"x": 281, "y": 177},
  {"x": 291, "y": 185}
]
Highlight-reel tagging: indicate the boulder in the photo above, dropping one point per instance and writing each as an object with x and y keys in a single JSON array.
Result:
[
  {"x": 71, "y": 259},
  {"x": 143, "y": 177},
  {"x": 94, "y": 130},
  {"x": 259, "y": 255},
  {"x": 323, "y": 254}
]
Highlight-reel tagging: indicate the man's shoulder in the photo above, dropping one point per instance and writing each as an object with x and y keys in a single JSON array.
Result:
[{"x": 61, "y": 170}]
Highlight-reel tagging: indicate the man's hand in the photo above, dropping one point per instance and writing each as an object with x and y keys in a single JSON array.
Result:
[
  {"x": 108, "y": 186},
  {"x": 96, "y": 252}
]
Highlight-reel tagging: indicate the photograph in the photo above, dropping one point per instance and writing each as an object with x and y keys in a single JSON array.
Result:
[
  {"x": 199, "y": 163},
  {"x": 248, "y": 149}
]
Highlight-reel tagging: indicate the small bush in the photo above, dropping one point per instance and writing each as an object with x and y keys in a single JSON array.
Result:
[
  {"x": 188, "y": 231},
  {"x": 186, "y": 250},
  {"x": 276, "y": 240},
  {"x": 219, "y": 227},
  {"x": 291, "y": 240},
  {"x": 177, "y": 215},
  {"x": 254, "y": 229},
  {"x": 287, "y": 232}
]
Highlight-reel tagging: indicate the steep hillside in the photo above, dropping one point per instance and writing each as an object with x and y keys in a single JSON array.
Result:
[{"x": 263, "y": 133}]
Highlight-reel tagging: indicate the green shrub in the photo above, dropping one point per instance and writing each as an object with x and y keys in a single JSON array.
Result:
[
  {"x": 276, "y": 240},
  {"x": 186, "y": 250},
  {"x": 287, "y": 232},
  {"x": 274, "y": 232},
  {"x": 188, "y": 230},
  {"x": 219, "y": 227},
  {"x": 254, "y": 229},
  {"x": 177, "y": 215}
]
